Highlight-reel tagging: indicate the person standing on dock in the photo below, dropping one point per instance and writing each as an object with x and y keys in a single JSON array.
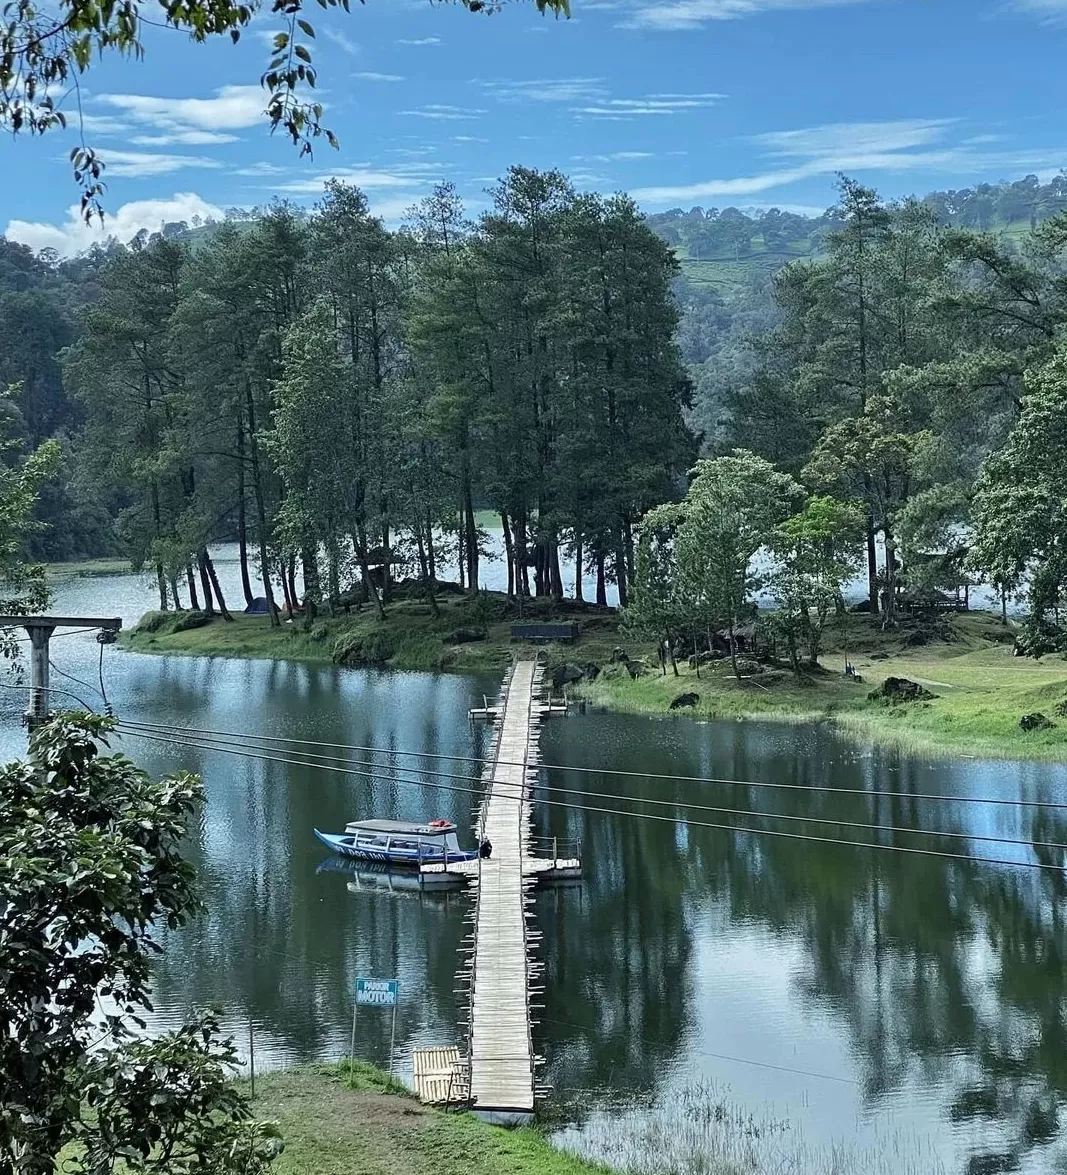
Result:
[{"x": 485, "y": 849}]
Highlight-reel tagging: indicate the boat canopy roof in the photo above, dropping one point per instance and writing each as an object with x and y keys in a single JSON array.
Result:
[{"x": 400, "y": 828}]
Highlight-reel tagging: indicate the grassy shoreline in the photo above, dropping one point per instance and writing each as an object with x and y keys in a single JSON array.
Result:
[
  {"x": 980, "y": 690},
  {"x": 337, "y": 1122}
]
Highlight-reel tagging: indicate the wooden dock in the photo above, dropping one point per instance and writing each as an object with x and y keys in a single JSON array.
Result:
[
  {"x": 499, "y": 1072},
  {"x": 501, "y": 1052}
]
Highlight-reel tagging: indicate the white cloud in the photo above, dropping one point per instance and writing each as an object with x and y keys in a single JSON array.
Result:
[
  {"x": 366, "y": 178},
  {"x": 370, "y": 76},
  {"x": 341, "y": 39},
  {"x": 895, "y": 146},
  {"x": 74, "y": 234},
  {"x": 1051, "y": 10},
  {"x": 468, "y": 139},
  {"x": 689, "y": 14},
  {"x": 138, "y": 164},
  {"x": 183, "y": 139},
  {"x": 260, "y": 169},
  {"x": 420, "y": 41},
  {"x": 818, "y": 141},
  {"x": 445, "y": 113},
  {"x": 546, "y": 90},
  {"x": 232, "y": 108},
  {"x": 659, "y": 105},
  {"x": 614, "y": 157}
]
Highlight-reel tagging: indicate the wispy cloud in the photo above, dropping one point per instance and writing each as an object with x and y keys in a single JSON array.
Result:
[
  {"x": 138, "y": 164},
  {"x": 545, "y": 89},
  {"x": 895, "y": 146},
  {"x": 260, "y": 169},
  {"x": 184, "y": 139},
  {"x": 688, "y": 14},
  {"x": 368, "y": 75},
  {"x": 420, "y": 41},
  {"x": 341, "y": 39},
  {"x": 657, "y": 105},
  {"x": 445, "y": 113},
  {"x": 468, "y": 139},
  {"x": 74, "y": 235},
  {"x": 232, "y": 108},
  {"x": 614, "y": 157},
  {"x": 1048, "y": 10},
  {"x": 369, "y": 179}
]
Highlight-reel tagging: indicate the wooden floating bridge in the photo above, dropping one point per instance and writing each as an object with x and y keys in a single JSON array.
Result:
[{"x": 500, "y": 1079}]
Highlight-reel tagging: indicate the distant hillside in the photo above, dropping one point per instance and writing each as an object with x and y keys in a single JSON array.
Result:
[{"x": 726, "y": 250}]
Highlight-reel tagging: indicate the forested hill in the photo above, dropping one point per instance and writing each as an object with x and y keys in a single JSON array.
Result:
[{"x": 724, "y": 250}]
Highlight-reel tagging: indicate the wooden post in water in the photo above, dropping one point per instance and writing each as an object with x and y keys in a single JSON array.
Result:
[{"x": 252, "y": 1057}]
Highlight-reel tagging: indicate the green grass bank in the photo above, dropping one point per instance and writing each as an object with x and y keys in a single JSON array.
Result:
[
  {"x": 980, "y": 691},
  {"x": 339, "y": 1123}
]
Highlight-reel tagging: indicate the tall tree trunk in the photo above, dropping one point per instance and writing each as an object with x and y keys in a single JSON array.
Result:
[
  {"x": 431, "y": 552},
  {"x": 424, "y": 571},
  {"x": 555, "y": 575},
  {"x": 472, "y": 534},
  {"x": 601, "y": 580},
  {"x": 194, "y": 601},
  {"x": 670, "y": 651},
  {"x": 890, "y": 577},
  {"x": 333, "y": 572},
  {"x": 261, "y": 505},
  {"x": 205, "y": 581},
  {"x": 509, "y": 552},
  {"x": 461, "y": 552},
  {"x": 286, "y": 594},
  {"x": 522, "y": 572},
  {"x": 359, "y": 540},
  {"x": 291, "y": 574},
  {"x": 242, "y": 522},
  {"x": 215, "y": 586},
  {"x": 312, "y": 585},
  {"x": 872, "y": 563},
  {"x": 733, "y": 649},
  {"x": 161, "y": 575},
  {"x": 387, "y": 562},
  {"x": 620, "y": 574},
  {"x": 579, "y": 589},
  {"x": 174, "y": 592}
]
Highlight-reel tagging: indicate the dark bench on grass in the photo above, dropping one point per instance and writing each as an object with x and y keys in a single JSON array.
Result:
[{"x": 541, "y": 633}]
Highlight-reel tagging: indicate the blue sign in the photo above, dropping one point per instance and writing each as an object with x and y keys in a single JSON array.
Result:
[{"x": 381, "y": 993}]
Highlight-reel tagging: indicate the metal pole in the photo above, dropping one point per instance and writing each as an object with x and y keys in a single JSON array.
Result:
[
  {"x": 352, "y": 1051},
  {"x": 252, "y": 1057},
  {"x": 38, "y": 712},
  {"x": 553, "y": 853},
  {"x": 392, "y": 1039}
]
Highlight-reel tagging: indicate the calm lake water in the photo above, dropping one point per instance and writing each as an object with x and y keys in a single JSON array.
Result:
[{"x": 869, "y": 999}]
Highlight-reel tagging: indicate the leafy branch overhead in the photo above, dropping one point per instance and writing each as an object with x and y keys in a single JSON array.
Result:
[{"x": 45, "y": 49}]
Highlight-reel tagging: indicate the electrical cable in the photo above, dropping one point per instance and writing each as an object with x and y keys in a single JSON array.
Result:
[
  {"x": 674, "y": 820},
  {"x": 52, "y": 690},
  {"x": 70, "y": 677},
  {"x": 694, "y": 807},
  {"x": 100, "y": 674},
  {"x": 856, "y": 791}
]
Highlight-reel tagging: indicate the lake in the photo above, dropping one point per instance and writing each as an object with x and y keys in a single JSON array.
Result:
[{"x": 892, "y": 1004}]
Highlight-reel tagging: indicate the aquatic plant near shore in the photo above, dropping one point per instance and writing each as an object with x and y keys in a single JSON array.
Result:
[{"x": 700, "y": 1131}]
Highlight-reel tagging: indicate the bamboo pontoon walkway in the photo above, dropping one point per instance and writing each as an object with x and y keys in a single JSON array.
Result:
[{"x": 501, "y": 1052}]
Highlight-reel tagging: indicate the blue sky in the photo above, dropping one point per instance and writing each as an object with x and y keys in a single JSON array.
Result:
[{"x": 681, "y": 102}]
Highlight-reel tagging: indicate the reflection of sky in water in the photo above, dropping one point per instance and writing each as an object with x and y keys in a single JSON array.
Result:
[{"x": 686, "y": 954}]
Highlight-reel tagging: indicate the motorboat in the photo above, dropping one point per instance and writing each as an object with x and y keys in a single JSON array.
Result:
[{"x": 399, "y": 842}]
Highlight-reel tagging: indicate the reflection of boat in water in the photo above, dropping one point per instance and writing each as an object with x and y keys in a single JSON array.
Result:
[
  {"x": 400, "y": 843},
  {"x": 372, "y": 877}
]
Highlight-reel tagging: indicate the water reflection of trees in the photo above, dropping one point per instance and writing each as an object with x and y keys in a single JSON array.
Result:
[
  {"x": 283, "y": 943},
  {"x": 948, "y": 972}
]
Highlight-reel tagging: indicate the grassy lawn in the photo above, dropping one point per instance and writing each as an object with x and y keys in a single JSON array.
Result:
[
  {"x": 334, "y": 1125},
  {"x": 79, "y": 568},
  {"x": 981, "y": 691},
  {"x": 410, "y": 637}
]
